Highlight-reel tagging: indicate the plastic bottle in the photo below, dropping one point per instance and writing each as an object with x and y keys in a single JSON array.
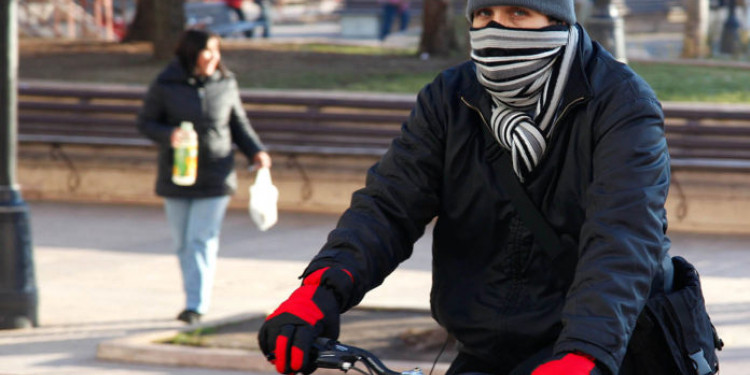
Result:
[{"x": 185, "y": 166}]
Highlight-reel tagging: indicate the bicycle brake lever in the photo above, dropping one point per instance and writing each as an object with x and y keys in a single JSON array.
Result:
[{"x": 333, "y": 355}]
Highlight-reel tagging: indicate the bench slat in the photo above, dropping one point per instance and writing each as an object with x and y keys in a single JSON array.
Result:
[
  {"x": 56, "y": 107},
  {"x": 707, "y": 130},
  {"x": 710, "y": 143}
]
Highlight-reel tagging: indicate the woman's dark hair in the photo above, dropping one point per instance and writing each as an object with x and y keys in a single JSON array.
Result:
[{"x": 191, "y": 44}]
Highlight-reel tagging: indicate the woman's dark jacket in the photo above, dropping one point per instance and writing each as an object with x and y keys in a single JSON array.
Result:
[
  {"x": 602, "y": 186},
  {"x": 214, "y": 107}
]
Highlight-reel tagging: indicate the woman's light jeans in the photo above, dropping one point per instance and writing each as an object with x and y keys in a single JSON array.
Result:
[{"x": 195, "y": 224}]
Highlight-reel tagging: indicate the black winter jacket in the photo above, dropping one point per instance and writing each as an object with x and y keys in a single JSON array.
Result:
[
  {"x": 215, "y": 109},
  {"x": 602, "y": 186}
]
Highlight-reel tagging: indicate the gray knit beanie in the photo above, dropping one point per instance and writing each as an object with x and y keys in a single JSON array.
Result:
[{"x": 563, "y": 10}]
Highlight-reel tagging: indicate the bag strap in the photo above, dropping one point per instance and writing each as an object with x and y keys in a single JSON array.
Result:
[{"x": 528, "y": 211}]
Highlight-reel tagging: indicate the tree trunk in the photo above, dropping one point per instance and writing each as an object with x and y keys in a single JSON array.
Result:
[
  {"x": 169, "y": 17},
  {"x": 160, "y": 22},
  {"x": 142, "y": 27},
  {"x": 438, "y": 28},
  {"x": 695, "y": 41}
]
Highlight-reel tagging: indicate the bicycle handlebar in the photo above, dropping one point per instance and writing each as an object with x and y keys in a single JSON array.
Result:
[{"x": 334, "y": 355}]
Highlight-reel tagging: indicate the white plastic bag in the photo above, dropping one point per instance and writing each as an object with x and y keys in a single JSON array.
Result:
[{"x": 263, "y": 198}]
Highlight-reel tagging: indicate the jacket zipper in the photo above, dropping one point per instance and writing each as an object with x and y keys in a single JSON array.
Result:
[
  {"x": 565, "y": 110},
  {"x": 557, "y": 120},
  {"x": 478, "y": 112},
  {"x": 202, "y": 97},
  {"x": 516, "y": 245}
]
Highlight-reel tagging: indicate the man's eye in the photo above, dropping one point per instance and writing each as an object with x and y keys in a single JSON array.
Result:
[
  {"x": 483, "y": 13},
  {"x": 519, "y": 12}
]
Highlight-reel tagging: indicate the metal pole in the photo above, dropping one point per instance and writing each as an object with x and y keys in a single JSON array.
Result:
[
  {"x": 606, "y": 26},
  {"x": 730, "y": 33},
  {"x": 18, "y": 294}
]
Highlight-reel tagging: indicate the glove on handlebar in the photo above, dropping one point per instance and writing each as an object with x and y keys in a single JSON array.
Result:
[
  {"x": 569, "y": 364},
  {"x": 312, "y": 311}
]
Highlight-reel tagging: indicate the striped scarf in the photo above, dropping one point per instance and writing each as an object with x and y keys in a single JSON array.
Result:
[{"x": 520, "y": 70}]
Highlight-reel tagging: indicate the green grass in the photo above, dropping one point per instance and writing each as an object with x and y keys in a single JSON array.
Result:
[
  {"x": 322, "y": 66},
  {"x": 336, "y": 67},
  {"x": 670, "y": 82},
  {"x": 191, "y": 338},
  {"x": 377, "y": 82},
  {"x": 392, "y": 83},
  {"x": 696, "y": 83},
  {"x": 355, "y": 50}
]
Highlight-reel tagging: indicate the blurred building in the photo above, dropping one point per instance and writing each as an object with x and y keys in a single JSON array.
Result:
[{"x": 74, "y": 19}]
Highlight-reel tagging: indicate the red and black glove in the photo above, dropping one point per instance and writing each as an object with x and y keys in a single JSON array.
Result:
[
  {"x": 569, "y": 364},
  {"x": 312, "y": 311}
]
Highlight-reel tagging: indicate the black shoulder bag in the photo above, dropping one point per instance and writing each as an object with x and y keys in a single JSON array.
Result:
[{"x": 673, "y": 335}]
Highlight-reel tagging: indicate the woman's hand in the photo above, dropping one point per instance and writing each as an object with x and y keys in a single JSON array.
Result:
[
  {"x": 174, "y": 139},
  {"x": 262, "y": 160}
]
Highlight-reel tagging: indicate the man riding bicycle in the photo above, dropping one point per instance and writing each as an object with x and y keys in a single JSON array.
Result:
[{"x": 585, "y": 137}]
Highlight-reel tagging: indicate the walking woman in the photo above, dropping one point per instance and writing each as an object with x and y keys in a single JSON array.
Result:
[{"x": 197, "y": 88}]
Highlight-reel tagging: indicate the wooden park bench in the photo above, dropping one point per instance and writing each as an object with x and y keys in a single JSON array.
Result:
[
  {"x": 713, "y": 137},
  {"x": 217, "y": 18},
  {"x": 288, "y": 122},
  {"x": 706, "y": 137}
]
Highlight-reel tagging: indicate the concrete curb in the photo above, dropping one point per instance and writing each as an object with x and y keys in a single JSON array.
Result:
[
  {"x": 144, "y": 349},
  {"x": 147, "y": 348}
]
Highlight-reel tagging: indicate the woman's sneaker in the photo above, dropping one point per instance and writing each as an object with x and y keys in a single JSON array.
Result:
[{"x": 189, "y": 316}]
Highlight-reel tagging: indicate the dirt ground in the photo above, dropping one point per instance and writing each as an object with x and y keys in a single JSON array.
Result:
[{"x": 401, "y": 335}]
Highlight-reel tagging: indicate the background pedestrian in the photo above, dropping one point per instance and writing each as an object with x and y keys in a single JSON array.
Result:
[{"x": 197, "y": 88}]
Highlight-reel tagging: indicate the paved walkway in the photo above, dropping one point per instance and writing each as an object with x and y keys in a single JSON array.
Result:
[{"x": 106, "y": 272}]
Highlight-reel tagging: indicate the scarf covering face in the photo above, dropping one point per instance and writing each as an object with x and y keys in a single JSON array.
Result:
[{"x": 520, "y": 70}]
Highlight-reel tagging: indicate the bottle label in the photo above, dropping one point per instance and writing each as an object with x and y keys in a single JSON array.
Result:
[{"x": 185, "y": 165}]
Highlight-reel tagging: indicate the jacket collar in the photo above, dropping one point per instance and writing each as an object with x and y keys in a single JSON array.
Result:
[
  {"x": 578, "y": 87},
  {"x": 175, "y": 73}
]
